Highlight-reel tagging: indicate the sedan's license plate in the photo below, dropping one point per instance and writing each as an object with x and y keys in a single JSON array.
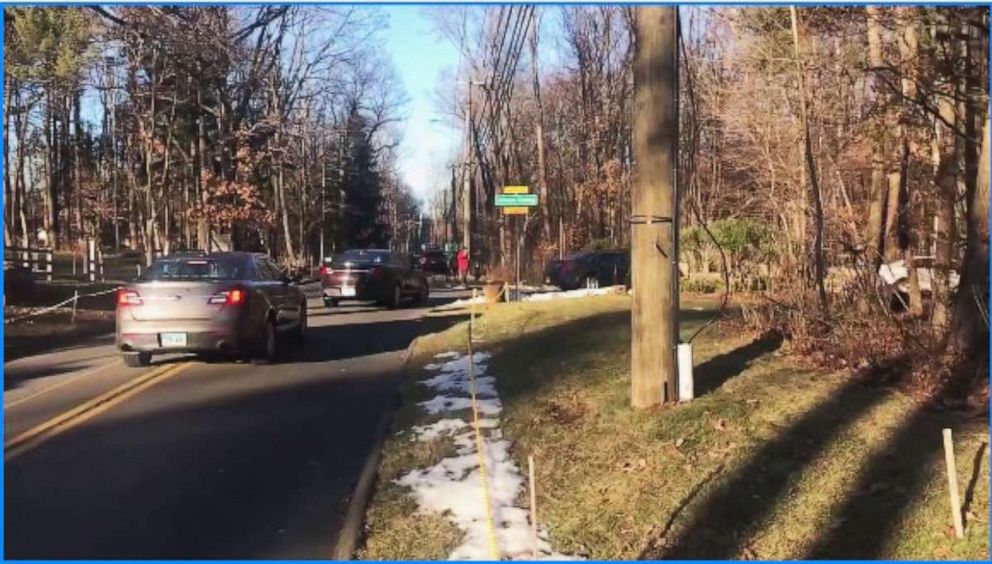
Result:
[
  {"x": 172, "y": 339},
  {"x": 348, "y": 291}
]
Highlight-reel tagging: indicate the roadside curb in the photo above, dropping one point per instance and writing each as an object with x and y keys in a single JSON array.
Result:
[{"x": 354, "y": 518}]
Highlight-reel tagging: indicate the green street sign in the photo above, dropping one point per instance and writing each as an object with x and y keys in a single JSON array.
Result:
[{"x": 516, "y": 200}]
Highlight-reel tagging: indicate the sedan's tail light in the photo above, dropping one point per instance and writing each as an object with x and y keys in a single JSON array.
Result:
[
  {"x": 128, "y": 298},
  {"x": 324, "y": 271},
  {"x": 231, "y": 297},
  {"x": 377, "y": 272}
]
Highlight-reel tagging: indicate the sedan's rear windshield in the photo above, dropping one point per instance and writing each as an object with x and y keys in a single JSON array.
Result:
[
  {"x": 361, "y": 257},
  {"x": 227, "y": 268}
]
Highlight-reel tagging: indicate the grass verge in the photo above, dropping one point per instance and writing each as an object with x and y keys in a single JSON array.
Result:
[
  {"x": 771, "y": 461},
  {"x": 51, "y": 330}
]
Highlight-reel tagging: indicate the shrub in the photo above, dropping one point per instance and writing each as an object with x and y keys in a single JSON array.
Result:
[{"x": 700, "y": 285}]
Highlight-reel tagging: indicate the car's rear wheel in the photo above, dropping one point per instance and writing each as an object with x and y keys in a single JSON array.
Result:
[
  {"x": 424, "y": 294},
  {"x": 270, "y": 345},
  {"x": 301, "y": 327},
  {"x": 396, "y": 298},
  {"x": 137, "y": 359}
]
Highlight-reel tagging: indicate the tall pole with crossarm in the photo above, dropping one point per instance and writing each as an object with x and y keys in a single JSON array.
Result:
[{"x": 654, "y": 310}]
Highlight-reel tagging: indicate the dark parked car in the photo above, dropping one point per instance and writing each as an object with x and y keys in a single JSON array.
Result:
[
  {"x": 434, "y": 262},
  {"x": 375, "y": 275},
  {"x": 589, "y": 270},
  {"x": 209, "y": 303}
]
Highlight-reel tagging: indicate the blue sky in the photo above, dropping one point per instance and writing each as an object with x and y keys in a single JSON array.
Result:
[{"x": 419, "y": 55}]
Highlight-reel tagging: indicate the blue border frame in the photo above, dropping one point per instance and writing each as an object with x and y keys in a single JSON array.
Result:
[{"x": 723, "y": 3}]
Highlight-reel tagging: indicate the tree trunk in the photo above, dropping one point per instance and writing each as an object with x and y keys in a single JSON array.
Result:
[
  {"x": 10, "y": 203},
  {"x": 970, "y": 330},
  {"x": 20, "y": 188},
  {"x": 945, "y": 179},
  {"x": 875, "y": 241},
  {"x": 203, "y": 170},
  {"x": 814, "y": 184},
  {"x": 52, "y": 174},
  {"x": 77, "y": 163}
]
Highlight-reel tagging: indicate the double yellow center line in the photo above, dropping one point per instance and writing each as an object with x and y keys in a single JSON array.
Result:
[{"x": 87, "y": 410}]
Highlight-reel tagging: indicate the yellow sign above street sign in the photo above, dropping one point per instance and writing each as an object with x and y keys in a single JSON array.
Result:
[
  {"x": 516, "y": 189},
  {"x": 515, "y": 211}
]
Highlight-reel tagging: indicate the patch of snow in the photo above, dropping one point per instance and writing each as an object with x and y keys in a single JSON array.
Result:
[
  {"x": 438, "y": 404},
  {"x": 458, "y": 304},
  {"x": 455, "y": 382},
  {"x": 438, "y": 429},
  {"x": 453, "y": 487},
  {"x": 580, "y": 293}
]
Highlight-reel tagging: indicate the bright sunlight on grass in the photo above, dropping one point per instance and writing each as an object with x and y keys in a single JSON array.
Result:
[{"x": 771, "y": 461}]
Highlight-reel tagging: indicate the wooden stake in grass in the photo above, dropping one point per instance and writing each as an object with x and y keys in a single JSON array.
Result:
[
  {"x": 533, "y": 504},
  {"x": 952, "y": 483}
]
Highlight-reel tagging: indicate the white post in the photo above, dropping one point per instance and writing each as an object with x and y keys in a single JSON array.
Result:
[
  {"x": 91, "y": 258},
  {"x": 49, "y": 256},
  {"x": 684, "y": 363},
  {"x": 75, "y": 300}
]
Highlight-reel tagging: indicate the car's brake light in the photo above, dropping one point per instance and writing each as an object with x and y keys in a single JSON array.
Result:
[
  {"x": 128, "y": 298},
  {"x": 376, "y": 272},
  {"x": 231, "y": 297},
  {"x": 235, "y": 296},
  {"x": 324, "y": 271}
]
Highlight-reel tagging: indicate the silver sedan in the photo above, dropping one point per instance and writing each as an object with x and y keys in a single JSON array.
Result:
[{"x": 210, "y": 303}]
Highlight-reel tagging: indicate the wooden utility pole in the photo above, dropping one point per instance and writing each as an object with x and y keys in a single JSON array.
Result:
[
  {"x": 467, "y": 178},
  {"x": 542, "y": 171},
  {"x": 653, "y": 313}
]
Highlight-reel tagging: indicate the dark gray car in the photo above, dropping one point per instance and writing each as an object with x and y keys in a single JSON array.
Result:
[
  {"x": 594, "y": 269},
  {"x": 209, "y": 303}
]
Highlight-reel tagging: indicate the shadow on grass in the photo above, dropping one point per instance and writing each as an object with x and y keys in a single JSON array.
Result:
[
  {"x": 713, "y": 373},
  {"x": 722, "y": 523},
  {"x": 865, "y": 521},
  {"x": 886, "y": 486},
  {"x": 976, "y": 470},
  {"x": 578, "y": 336}
]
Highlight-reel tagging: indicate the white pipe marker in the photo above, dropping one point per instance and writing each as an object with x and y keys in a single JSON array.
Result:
[{"x": 684, "y": 363}]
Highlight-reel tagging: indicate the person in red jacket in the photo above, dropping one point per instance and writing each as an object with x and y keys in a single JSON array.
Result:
[{"x": 461, "y": 258}]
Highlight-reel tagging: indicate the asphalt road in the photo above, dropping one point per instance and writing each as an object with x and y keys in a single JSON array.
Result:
[{"x": 221, "y": 460}]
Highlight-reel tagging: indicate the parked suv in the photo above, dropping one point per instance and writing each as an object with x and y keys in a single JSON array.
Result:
[
  {"x": 589, "y": 270},
  {"x": 375, "y": 275},
  {"x": 434, "y": 262}
]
